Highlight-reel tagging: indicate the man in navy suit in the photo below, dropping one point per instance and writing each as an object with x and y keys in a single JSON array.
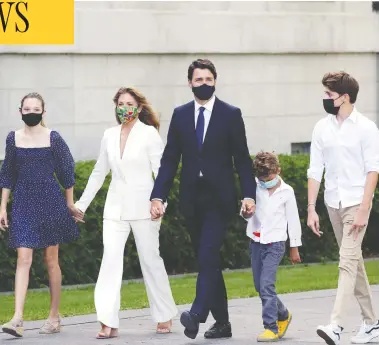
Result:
[{"x": 209, "y": 136}]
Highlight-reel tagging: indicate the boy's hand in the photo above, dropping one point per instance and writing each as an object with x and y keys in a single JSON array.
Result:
[
  {"x": 295, "y": 256},
  {"x": 246, "y": 214},
  {"x": 248, "y": 208}
]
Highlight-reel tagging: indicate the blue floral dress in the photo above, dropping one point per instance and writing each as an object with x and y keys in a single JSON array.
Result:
[{"x": 40, "y": 216}]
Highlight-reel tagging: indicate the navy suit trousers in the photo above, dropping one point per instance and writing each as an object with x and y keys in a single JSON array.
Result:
[{"x": 207, "y": 228}]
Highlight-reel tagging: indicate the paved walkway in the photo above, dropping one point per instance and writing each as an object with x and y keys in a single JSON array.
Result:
[{"x": 309, "y": 310}]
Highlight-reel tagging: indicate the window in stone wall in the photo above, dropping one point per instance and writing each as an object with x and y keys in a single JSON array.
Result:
[
  {"x": 375, "y": 6},
  {"x": 300, "y": 148}
]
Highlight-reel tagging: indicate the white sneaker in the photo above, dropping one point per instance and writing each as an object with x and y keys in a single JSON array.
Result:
[
  {"x": 331, "y": 334},
  {"x": 366, "y": 333}
]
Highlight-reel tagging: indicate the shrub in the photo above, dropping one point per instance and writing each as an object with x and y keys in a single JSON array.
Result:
[{"x": 80, "y": 260}]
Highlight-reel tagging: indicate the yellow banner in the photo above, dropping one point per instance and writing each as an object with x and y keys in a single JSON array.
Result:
[{"x": 37, "y": 22}]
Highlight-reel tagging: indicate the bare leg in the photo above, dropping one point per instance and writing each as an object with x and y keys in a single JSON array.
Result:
[
  {"x": 24, "y": 261},
  {"x": 55, "y": 280}
]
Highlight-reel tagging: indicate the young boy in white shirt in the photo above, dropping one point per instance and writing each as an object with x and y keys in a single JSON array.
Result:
[
  {"x": 276, "y": 211},
  {"x": 346, "y": 145}
]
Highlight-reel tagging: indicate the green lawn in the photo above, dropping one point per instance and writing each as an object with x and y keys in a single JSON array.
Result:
[{"x": 239, "y": 284}]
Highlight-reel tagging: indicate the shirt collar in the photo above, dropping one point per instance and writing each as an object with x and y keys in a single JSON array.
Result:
[
  {"x": 208, "y": 106},
  {"x": 352, "y": 117}
]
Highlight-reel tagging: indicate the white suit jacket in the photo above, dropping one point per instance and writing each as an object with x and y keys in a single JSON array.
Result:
[{"x": 129, "y": 192}]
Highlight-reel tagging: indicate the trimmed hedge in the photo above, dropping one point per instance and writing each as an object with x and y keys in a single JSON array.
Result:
[{"x": 80, "y": 260}]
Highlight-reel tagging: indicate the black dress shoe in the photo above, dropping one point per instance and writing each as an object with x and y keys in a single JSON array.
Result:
[
  {"x": 219, "y": 330},
  {"x": 191, "y": 323}
]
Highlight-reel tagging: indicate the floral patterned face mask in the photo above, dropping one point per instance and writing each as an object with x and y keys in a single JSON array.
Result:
[{"x": 126, "y": 114}]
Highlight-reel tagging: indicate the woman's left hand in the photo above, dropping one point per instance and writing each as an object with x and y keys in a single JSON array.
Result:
[{"x": 77, "y": 214}]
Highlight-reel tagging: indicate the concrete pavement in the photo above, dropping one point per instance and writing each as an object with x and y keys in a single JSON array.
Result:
[{"x": 309, "y": 310}]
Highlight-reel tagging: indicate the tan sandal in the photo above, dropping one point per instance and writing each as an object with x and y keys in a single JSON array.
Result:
[
  {"x": 14, "y": 327},
  {"x": 112, "y": 334},
  {"x": 164, "y": 327},
  {"x": 51, "y": 326}
]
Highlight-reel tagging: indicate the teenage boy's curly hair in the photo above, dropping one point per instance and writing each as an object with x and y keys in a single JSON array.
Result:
[{"x": 266, "y": 163}]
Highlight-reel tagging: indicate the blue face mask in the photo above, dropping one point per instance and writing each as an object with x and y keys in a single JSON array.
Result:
[{"x": 269, "y": 184}]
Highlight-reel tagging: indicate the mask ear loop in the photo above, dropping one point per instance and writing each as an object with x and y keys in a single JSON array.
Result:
[{"x": 339, "y": 98}]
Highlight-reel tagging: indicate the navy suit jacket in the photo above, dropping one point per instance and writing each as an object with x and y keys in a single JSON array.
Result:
[{"x": 224, "y": 144}]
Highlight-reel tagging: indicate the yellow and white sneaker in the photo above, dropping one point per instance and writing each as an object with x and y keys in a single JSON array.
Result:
[
  {"x": 283, "y": 326},
  {"x": 267, "y": 336}
]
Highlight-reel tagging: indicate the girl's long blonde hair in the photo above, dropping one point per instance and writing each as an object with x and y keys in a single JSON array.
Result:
[
  {"x": 147, "y": 115},
  {"x": 37, "y": 96}
]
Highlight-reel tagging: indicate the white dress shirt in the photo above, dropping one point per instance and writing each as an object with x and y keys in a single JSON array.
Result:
[
  {"x": 275, "y": 215},
  {"x": 207, "y": 113},
  {"x": 348, "y": 152}
]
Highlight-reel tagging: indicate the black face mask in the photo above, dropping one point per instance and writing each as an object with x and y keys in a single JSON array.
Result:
[
  {"x": 329, "y": 106},
  {"x": 203, "y": 92},
  {"x": 32, "y": 119}
]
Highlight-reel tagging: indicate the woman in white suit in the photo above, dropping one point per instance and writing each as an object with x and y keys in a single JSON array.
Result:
[{"x": 132, "y": 152}]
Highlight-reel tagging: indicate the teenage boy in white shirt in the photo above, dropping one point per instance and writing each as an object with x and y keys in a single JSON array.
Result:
[
  {"x": 346, "y": 145},
  {"x": 276, "y": 211}
]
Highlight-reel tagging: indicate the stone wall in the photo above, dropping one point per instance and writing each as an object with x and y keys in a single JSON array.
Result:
[{"x": 270, "y": 58}]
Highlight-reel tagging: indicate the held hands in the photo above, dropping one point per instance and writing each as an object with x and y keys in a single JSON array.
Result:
[
  {"x": 3, "y": 220},
  {"x": 248, "y": 208},
  {"x": 77, "y": 214},
  {"x": 295, "y": 256},
  {"x": 360, "y": 221},
  {"x": 157, "y": 209}
]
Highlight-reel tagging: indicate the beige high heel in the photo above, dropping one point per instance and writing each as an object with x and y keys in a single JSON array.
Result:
[
  {"x": 164, "y": 327},
  {"x": 112, "y": 334}
]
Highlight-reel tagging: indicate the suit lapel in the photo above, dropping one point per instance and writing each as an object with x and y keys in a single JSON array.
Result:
[
  {"x": 190, "y": 123},
  {"x": 191, "y": 116},
  {"x": 116, "y": 143},
  {"x": 129, "y": 147}
]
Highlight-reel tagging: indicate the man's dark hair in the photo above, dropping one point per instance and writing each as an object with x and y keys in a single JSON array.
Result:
[
  {"x": 341, "y": 82},
  {"x": 202, "y": 64}
]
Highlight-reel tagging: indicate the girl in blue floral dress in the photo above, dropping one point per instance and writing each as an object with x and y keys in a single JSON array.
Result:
[{"x": 41, "y": 216}]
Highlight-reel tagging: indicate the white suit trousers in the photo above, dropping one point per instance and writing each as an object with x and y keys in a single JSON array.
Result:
[{"x": 108, "y": 286}]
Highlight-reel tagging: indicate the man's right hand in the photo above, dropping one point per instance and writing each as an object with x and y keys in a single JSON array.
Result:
[
  {"x": 157, "y": 209},
  {"x": 313, "y": 221}
]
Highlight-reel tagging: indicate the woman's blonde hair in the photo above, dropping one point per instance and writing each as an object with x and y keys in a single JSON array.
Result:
[
  {"x": 35, "y": 95},
  {"x": 147, "y": 115}
]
